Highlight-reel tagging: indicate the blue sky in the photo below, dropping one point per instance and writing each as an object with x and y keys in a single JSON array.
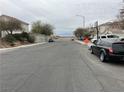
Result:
[{"x": 61, "y": 13}]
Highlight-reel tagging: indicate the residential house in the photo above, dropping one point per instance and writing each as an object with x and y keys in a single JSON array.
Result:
[
  {"x": 111, "y": 28},
  {"x": 25, "y": 25}
]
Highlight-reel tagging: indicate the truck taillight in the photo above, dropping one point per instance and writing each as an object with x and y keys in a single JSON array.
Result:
[{"x": 110, "y": 50}]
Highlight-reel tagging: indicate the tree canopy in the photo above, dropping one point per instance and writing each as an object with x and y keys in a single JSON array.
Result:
[
  {"x": 81, "y": 32},
  {"x": 10, "y": 25},
  {"x": 42, "y": 28}
]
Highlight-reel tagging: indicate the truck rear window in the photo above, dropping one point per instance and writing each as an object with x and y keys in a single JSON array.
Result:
[
  {"x": 118, "y": 47},
  {"x": 112, "y": 36}
]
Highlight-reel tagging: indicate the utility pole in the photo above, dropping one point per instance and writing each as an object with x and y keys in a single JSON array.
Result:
[{"x": 97, "y": 29}]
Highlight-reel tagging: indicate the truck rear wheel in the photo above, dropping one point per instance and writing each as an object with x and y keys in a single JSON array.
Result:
[{"x": 102, "y": 57}]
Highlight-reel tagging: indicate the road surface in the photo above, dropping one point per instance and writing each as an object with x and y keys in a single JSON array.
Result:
[{"x": 63, "y": 66}]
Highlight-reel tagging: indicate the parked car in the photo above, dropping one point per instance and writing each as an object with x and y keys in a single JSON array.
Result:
[
  {"x": 109, "y": 49},
  {"x": 51, "y": 40}
]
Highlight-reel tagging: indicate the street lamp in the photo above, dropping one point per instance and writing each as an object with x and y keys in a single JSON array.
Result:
[{"x": 83, "y": 19}]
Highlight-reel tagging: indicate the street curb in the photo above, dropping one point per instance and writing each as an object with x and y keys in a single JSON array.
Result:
[
  {"x": 23, "y": 46},
  {"x": 80, "y": 42}
]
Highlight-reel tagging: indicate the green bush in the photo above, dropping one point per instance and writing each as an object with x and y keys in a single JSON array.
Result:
[
  {"x": 21, "y": 37},
  {"x": 18, "y": 37},
  {"x": 31, "y": 39},
  {"x": 10, "y": 39},
  {"x": 25, "y": 35}
]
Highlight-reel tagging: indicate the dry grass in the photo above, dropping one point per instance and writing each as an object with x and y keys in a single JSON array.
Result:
[{"x": 4, "y": 44}]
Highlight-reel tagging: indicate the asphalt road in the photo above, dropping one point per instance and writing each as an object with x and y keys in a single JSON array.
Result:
[{"x": 63, "y": 66}]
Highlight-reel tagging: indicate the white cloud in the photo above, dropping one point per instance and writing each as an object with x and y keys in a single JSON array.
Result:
[{"x": 61, "y": 13}]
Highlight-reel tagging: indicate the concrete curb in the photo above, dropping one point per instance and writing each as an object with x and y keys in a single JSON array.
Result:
[
  {"x": 23, "y": 46},
  {"x": 80, "y": 42}
]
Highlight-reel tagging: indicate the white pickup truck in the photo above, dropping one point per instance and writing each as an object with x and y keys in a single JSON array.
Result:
[{"x": 107, "y": 36}]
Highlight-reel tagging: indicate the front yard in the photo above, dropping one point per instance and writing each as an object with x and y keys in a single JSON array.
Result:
[
  {"x": 4, "y": 44},
  {"x": 16, "y": 40}
]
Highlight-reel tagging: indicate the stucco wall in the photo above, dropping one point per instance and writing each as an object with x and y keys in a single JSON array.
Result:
[{"x": 40, "y": 38}]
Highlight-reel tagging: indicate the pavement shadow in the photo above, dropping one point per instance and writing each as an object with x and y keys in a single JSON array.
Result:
[{"x": 117, "y": 63}]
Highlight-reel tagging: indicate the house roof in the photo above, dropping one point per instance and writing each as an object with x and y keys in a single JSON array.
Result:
[
  {"x": 111, "y": 23},
  {"x": 14, "y": 18},
  {"x": 106, "y": 24},
  {"x": 118, "y": 31}
]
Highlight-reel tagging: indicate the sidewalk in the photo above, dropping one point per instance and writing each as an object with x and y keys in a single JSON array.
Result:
[
  {"x": 83, "y": 43},
  {"x": 80, "y": 42},
  {"x": 23, "y": 46}
]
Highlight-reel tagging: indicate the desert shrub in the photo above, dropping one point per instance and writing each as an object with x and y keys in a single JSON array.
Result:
[
  {"x": 10, "y": 39},
  {"x": 31, "y": 39},
  {"x": 21, "y": 37},
  {"x": 25, "y": 35},
  {"x": 18, "y": 37}
]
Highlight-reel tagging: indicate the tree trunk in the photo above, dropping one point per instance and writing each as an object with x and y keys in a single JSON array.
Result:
[
  {"x": 7, "y": 32},
  {"x": 11, "y": 32}
]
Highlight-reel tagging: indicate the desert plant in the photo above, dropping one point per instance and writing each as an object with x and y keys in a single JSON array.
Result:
[
  {"x": 41, "y": 28},
  {"x": 81, "y": 32},
  {"x": 31, "y": 39},
  {"x": 10, "y": 39},
  {"x": 22, "y": 36}
]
